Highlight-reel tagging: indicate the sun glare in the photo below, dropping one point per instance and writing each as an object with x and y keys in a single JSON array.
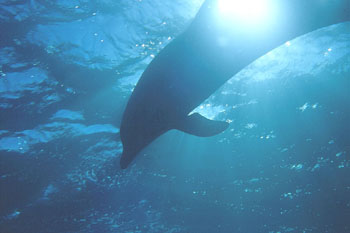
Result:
[{"x": 247, "y": 11}]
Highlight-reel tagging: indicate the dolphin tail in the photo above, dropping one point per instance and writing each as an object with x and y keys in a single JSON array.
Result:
[{"x": 198, "y": 125}]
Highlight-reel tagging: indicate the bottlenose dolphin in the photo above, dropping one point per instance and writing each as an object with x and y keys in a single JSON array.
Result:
[{"x": 200, "y": 60}]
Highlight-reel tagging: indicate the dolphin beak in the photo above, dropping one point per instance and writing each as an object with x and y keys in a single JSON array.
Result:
[{"x": 125, "y": 160}]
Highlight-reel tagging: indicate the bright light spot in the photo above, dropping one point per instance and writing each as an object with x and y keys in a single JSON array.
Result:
[
  {"x": 244, "y": 10},
  {"x": 288, "y": 43},
  {"x": 330, "y": 49},
  {"x": 304, "y": 107}
]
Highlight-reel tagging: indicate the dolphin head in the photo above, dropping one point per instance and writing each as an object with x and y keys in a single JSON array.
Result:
[
  {"x": 135, "y": 137},
  {"x": 133, "y": 143},
  {"x": 126, "y": 159}
]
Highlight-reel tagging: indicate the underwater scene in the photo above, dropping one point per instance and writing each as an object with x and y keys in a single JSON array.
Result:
[{"x": 67, "y": 71}]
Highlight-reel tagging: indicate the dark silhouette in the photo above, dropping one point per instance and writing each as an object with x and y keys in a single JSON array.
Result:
[{"x": 195, "y": 64}]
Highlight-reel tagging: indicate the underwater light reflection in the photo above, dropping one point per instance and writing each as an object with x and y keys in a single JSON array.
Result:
[{"x": 246, "y": 12}]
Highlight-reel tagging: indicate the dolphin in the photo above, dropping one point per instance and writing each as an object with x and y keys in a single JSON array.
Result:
[{"x": 201, "y": 59}]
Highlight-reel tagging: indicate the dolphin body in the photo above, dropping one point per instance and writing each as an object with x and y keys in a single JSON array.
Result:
[{"x": 200, "y": 60}]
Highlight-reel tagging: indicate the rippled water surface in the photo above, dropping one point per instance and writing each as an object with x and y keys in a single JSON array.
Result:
[{"x": 67, "y": 69}]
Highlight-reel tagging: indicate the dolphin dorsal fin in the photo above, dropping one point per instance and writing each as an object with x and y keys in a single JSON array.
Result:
[{"x": 198, "y": 125}]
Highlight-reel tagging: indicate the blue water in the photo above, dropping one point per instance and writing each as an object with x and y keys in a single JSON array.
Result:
[{"x": 67, "y": 69}]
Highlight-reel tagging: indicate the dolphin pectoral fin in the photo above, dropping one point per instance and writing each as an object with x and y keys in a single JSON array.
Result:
[{"x": 198, "y": 125}]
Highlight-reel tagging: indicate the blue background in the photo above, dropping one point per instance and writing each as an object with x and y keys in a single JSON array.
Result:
[{"x": 67, "y": 69}]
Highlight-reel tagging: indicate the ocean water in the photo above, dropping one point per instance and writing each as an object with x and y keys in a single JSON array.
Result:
[{"x": 67, "y": 69}]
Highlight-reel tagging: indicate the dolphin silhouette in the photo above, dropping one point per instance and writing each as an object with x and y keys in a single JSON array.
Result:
[{"x": 200, "y": 60}]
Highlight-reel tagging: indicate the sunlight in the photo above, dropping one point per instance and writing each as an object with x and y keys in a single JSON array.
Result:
[{"x": 244, "y": 11}]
